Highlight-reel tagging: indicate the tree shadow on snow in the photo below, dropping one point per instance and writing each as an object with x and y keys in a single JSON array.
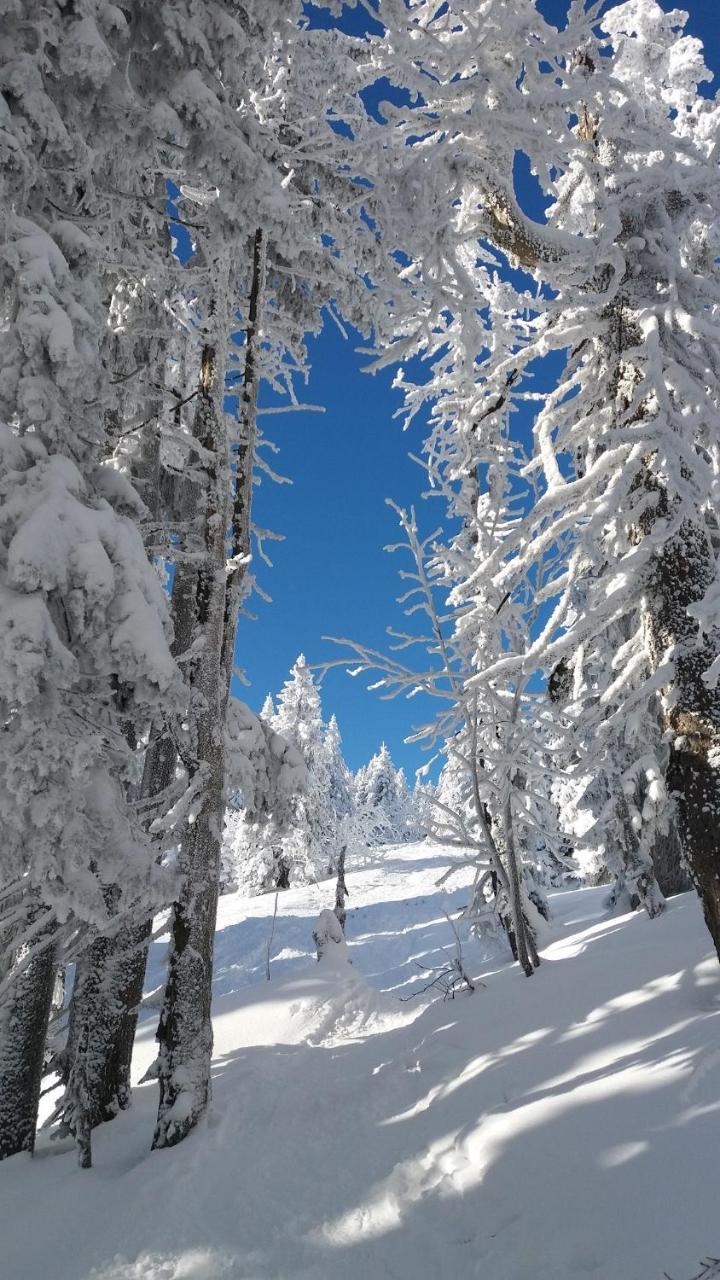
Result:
[{"x": 538, "y": 1136}]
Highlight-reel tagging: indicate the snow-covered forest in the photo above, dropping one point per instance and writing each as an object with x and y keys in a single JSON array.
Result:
[
  {"x": 514, "y": 206},
  {"x": 305, "y": 835}
]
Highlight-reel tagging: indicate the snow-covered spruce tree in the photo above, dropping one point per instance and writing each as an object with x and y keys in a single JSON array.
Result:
[
  {"x": 348, "y": 825},
  {"x": 627, "y": 475},
  {"x": 616, "y": 798},
  {"x": 305, "y": 832},
  {"x": 86, "y": 656},
  {"x": 142, "y": 336},
  {"x": 265, "y": 776},
  {"x": 298, "y": 720},
  {"x": 103, "y": 172},
  {"x": 412, "y": 807},
  {"x": 209, "y": 80},
  {"x": 120, "y": 173},
  {"x": 260, "y": 161},
  {"x": 384, "y": 794},
  {"x": 339, "y": 776},
  {"x": 312, "y": 845},
  {"x": 626, "y": 273},
  {"x": 488, "y": 732}
]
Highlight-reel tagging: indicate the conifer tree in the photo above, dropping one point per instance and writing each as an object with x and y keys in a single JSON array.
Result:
[{"x": 86, "y": 639}]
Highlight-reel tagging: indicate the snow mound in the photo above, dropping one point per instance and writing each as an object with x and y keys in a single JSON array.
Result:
[{"x": 197, "y": 1264}]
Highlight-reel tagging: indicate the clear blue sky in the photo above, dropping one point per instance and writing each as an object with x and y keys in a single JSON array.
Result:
[{"x": 330, "y": 575}]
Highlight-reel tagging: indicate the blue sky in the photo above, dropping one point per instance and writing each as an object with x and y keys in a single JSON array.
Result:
[{"x": 330, "y": 575}]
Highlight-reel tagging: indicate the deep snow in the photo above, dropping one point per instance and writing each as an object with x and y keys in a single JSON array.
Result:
[{"x": 562, "y": 1126}]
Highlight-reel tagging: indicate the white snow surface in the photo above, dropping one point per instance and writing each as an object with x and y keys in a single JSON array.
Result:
[{"x": 539, "y": 1129}]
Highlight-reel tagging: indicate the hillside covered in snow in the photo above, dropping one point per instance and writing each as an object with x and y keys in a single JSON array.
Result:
[{"x": 549, "y": 1129}]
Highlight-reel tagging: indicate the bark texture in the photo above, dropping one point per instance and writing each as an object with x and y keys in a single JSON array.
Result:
[
  {"x": 23, "y": 1030},
  {"x": 341, "y": 890},
  {"x": 670, "y": 871},
  {"x": 109, "y": 978},
  {"x": 244, "y": 460},
  {"x": 185, "y": 1029},
  {"x": 527, "y": 955},
  {"x": 684, "y": 570}
]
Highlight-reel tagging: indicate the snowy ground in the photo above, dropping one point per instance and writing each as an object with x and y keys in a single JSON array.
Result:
[{"x": 563, "y": 1126}]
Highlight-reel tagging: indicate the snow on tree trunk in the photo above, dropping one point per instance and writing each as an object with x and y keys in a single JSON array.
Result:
[
  {"x": 667, "y": 855},
  {"x": 281, "y": 871},
  {"x": 520, "y": 929},
  {"x": 110, "y": 974},
  {"x": 128, "y": 963},
  {"x": 341, "y": 891},
  {"x": 104, "y": 1008},
  {"x": 684, "y": 571},
  {"x": 24, "y": 1018},
  {"x": 96, "y": 1010},
  {"x": 245, "y": 459},
  {"x": 185, "y": 1029},
  {"x": 122, "y": 967},
  {"x": 328, "y": 937}
]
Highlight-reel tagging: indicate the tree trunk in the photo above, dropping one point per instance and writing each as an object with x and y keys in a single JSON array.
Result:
[
  {"x": 23, "y": 1030},
  {"x": 634, "y": 869},
  {"x": 244, "y": 461},
  {"x": 109, "y": 978},
  {"x": 129, "y": 960},
  {"x": 94, "y": 1013},
  {"x": 185, "y": 1029},
  {"x": 694, "y": 778},
  {"x": 282, "y": 872},
  {"x": 341, "y": 892},
  {"x": 670, "y": 871},
  {"x": 684, "y": 570},
  {"x": 106, "y": 995},
  {"x": 520, "y": 928}
]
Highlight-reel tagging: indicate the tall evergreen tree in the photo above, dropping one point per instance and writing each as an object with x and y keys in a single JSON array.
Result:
[{"x": 86, "y": 640}]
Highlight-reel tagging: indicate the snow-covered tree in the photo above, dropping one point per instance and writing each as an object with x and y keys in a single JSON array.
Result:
[
  {"x": 382, "y": 792},
  {"x": 608, "y": 522},
  {"x": 379, "y": 794},
  {"x": 248, "y": 101},
  {"x": 623, "y": 444},
  {"x": 299, "y": 720},
  {"x": 265, "y": 776},
  {"x": 491, "y": 733},
  {"x": 307, "y": 843},
  {"x": 88, "y": 670},
  {"x": 340, "y": 783}
]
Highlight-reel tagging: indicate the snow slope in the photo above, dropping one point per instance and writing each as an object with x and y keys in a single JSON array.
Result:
[{"x": 562, "y": 1126}]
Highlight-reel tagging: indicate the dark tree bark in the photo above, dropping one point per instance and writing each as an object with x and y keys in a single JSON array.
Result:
[
  {"x": 244, "y": 461},
  {"x": 341, "y": 889},
  {"x": 23, "y": 1032},
  {"x": 185, "y": 1029},
  {"x": 684, "y": 570},
  {"x": 670, "y": 871},
  {"x": 282, "y": 872},
  {"x": 96, "y": 1062}
]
